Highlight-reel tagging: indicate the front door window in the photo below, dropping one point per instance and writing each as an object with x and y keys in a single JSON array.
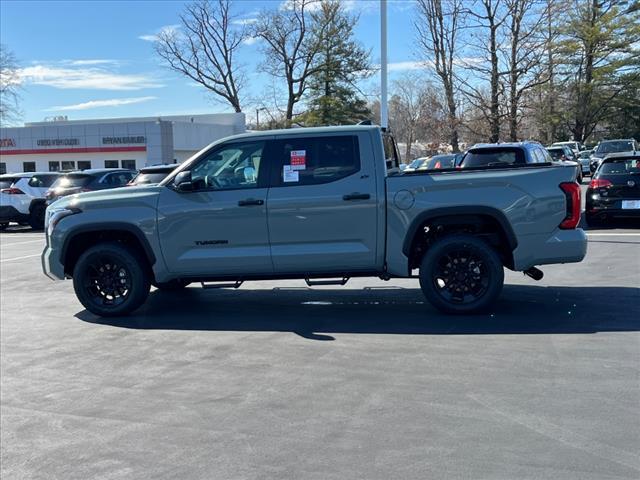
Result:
[{"x": 229, "y": 168}]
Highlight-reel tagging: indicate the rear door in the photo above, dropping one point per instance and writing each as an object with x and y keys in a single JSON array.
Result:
[{"x": 322, "y": 208}]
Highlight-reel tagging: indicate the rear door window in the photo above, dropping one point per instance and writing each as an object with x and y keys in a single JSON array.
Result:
[{"x": 315, "y": 160}]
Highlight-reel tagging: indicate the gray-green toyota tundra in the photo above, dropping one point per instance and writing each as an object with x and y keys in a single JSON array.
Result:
[{"x": 321, "y": 204}]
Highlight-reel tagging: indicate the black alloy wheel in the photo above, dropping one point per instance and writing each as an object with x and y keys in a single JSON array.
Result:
[
  {"x": 110, "y": 279},
  {"x": 461, "y": 274}
]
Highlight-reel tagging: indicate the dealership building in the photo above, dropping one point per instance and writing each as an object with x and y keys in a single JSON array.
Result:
[{"x": 111, "y": 143}]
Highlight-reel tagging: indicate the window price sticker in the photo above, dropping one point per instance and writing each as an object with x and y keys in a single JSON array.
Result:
[
  {"x": 289, "y": 175},
  {"x": 298, "y": 159}
]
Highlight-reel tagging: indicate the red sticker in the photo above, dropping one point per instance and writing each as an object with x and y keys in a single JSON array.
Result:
[{"x": 298, "y": 159}]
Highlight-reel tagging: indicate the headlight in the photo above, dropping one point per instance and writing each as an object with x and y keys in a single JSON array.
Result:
[{"x": 54, "y": 215}]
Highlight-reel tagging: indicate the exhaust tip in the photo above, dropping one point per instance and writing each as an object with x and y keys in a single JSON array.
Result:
[{"x": 534, "y": 273}]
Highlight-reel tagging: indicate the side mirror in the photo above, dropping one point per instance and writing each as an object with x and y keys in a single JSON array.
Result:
[
  {"x": 182, "y": 182},
  {"x": 249, "y": 174}
]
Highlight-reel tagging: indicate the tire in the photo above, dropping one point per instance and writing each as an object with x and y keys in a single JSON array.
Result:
[
  {"x": 36, "y": 217},
  {"x": 173, "y": 285},
  {"x": 479, "y": 271},
  {"x": 97, "y": 283}
]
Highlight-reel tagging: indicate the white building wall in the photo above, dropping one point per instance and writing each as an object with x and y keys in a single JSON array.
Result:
[{"x": 165, "y": 139}]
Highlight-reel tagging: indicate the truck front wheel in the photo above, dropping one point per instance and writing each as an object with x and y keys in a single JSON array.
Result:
[
  {"x": 110, "y": 280},
  {"x": 461, "y": 274}
]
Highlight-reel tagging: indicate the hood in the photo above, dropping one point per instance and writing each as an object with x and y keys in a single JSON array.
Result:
[{"x": 111, "y": 198}]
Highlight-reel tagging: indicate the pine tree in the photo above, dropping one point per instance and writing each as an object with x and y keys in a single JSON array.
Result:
[{"x": 341, "y": 62}]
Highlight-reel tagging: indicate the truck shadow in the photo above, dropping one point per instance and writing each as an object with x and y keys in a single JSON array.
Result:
[{"x": 315, "y": 314}]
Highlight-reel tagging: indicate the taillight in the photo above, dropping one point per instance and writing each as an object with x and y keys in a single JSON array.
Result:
[
  {"x": 572, "y": 193},
  {"x": 600, "y": 183},
  {"x": 12, "y": 191}
]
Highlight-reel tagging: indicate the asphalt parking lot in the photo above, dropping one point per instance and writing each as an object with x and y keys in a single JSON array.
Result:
[{"x": 277, "y": 381}]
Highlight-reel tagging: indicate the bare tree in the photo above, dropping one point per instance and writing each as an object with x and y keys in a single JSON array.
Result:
[
  {"x": 9, "y": 85},
  {"x": 292, "y": 44},
  {"x": 438, "y": 27},
  {"x": 416, "y": 112},
  {"x": 488, "y": 17},
  {"x": 522, "y": 55},
  {"x": 205, "y": 50}
]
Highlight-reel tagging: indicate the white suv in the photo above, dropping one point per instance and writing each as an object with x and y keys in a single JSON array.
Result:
[{"x": 22, "y": 197}]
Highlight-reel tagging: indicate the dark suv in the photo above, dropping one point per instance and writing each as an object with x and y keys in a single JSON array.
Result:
[
  {"x": 614, "y": 190},
  {"x": 504, "y": 154},
  {"x": 88, "y": 181}
]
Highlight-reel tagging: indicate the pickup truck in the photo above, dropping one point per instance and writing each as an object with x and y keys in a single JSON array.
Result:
[{"x": 320, "y": 204}]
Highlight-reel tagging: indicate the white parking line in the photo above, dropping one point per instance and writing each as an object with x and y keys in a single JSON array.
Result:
[
  {"x": 589, "y": 234},
  {"x": 2, "y": 244},
  {"x": 19, "y": 258}
]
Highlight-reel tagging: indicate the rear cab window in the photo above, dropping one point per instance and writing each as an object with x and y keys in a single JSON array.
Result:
[
  {"x": 391, "y": 156},
  {"x": 314, "y": 160}
]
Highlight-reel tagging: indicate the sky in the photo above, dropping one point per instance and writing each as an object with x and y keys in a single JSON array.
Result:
[{"x": 95, "y": 59}]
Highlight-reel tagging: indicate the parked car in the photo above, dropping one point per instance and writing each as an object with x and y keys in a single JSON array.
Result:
[
  {"x": 576, "y": 147},
  {"x": 614, "y": 191},
  {"x": 316, "y": 204},
  {"x": 500, "y": 155},
  {"x": 89, "y": 181},
  {"x": 585, "y": 161},
  {"x": 438, "y": 162},
  {"x": 416, "y": 164},
  {"x": 22, "y": 198},
  {"x": 563, "y": 153},
  {"x": 152, "y": 175},
  {"x": 607, "y": 147}
]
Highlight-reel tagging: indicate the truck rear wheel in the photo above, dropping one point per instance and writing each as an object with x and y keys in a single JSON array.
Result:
[
  {"x": 461, "y": 274},
  {"x": 110, "y": 280}
]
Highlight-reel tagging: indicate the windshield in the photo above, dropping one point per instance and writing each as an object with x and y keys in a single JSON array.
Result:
[
  {"x": 416, "y": 163},
  {"x": 620, "y": 167},
  {"x": 7, "y": 182},
  {"x": 493, "y": 157},
  {"x": 613, "y": 147},
  {"x": 556, "y": 153},
  {"x": 71, "y": 181}
]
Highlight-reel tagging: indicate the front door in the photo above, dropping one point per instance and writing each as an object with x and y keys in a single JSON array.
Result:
[
  {"x": 219, "y": 228},
  {"x": 322, "y": 211}
]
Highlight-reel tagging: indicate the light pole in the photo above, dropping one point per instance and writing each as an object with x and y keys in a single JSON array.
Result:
[
  {"x": 384, "y": 114},
  {"x": 258, "y": 110}
]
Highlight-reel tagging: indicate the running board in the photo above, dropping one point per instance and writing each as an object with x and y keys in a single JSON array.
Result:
[
  {"x": 317, "y": 283},
  {"x": 221, "y": 285}
]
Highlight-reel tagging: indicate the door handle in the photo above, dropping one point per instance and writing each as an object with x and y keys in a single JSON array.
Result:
[
  {"x": 250, "y": 201},
  {"x": 356, "y": 196}
]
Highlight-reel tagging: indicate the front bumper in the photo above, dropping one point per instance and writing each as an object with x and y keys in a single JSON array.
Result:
[
  {"x": 51, "y": 265},
  {"x": 562, "y": 246}
]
